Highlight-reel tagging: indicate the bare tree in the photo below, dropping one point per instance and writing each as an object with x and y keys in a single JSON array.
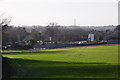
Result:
[{"x": 4, "y": 25}]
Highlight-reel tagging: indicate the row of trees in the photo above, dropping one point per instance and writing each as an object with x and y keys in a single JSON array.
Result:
[{"x": 20, "y": 37}]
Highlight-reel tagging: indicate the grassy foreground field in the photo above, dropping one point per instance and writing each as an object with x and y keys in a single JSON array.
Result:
[{"x": 82, "y": 62}]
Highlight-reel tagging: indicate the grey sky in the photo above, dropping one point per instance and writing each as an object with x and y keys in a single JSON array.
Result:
[{"x": 42, "y": 12}]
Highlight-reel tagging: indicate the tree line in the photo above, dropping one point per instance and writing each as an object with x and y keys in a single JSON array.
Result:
[{"x": 22, "y": 37}]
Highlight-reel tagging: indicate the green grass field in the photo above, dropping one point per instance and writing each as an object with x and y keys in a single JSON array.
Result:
[{"x": 82, "y": 62}]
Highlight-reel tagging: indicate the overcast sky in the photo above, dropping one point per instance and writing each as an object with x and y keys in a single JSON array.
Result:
[{"x": 42, "y": 12}]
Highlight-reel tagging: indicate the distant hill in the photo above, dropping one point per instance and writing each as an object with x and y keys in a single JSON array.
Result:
[{"x": 98, "y": 28}]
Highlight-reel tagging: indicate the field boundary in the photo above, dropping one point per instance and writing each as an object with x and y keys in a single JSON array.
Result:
[{"x": 32, "y": 50}]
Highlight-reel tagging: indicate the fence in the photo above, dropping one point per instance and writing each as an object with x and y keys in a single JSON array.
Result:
[{"x": 64, "y": 46}]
